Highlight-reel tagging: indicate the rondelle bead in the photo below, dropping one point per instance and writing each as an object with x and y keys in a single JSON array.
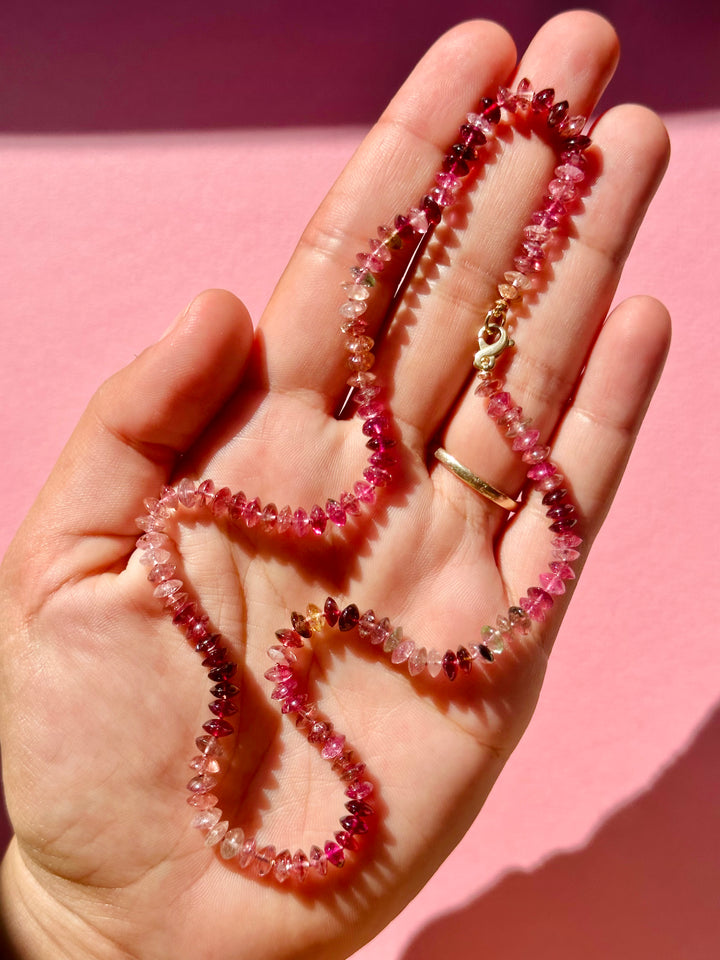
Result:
[
  {"x": 246, "y": 854},
  {"x": 334, "y": 854},
  {"x": 265, "y": 860},
  {"x": 282, "y": 869},
  {"x": 300, "y": 865},
  {"x": 450, "y": 665},
  {"x": 318, "y": 861},
  {"x": 218, "y": 728},
  {"x": 417, "y": 661},
  {"x": 216, "y": 833},
  {"x": 464, "y": 660},
  {"x": 232, "y": 843},
  {"x": 349, "y": 617},
  {"x": 206, "y": 819}
]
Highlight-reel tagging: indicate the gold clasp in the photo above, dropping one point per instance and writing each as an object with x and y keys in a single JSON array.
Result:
[{"x": 492, "y": 339}]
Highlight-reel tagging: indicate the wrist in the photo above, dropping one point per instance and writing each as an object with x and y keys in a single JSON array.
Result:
[{"x": 34, "y": 925}]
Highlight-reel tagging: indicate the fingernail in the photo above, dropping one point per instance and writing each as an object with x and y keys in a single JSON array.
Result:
[{"x": 178, "y": 319}]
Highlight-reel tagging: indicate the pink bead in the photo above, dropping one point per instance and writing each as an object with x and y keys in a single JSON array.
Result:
[
  {"x": 563, "y": 570},
  {"x": 186, "y": 493},
  {"x": 221, "y": 502},
  {"x": 265, "y": 860},
  {"x": 377, "y": 476},
  {"x": 300, "y": 865},
  {"x": 205, "y": 492},
  {"x": 202, "y": 784},
  {"x": 209, "y": 747},
  {"x": 252, "y": 513},
  {"x": 541, "y": 471},
  {"x": 550, "y": 483},
  {"x": 246, "y": 856},
  {"x": 269, "y": 517},
  {"x": 161, "y": 572},
  {"x": 499, "y": 404},
  {"x": 301, "y": 523},
  {"x": 350, "y": 504},
  {"x": 284, "y": 520},
  {"x": 203, "y": 801},
  {"x": 364, "y": 492},
  {"x": 402, "y": 651},
  {"x": 486, "y": 388},
  {"x": 359, "y": 789},
  {"x": 552, "y": 584},
  {"x": 568, "y": 171},
  {"x": 332, "y": 747},
  {"x": 318, "y": 520},
  {"x": 334, "y": 854},
  {"x": 283, "y": 866},
  {"x": 166, "y": 588},
  {"x": 525, "y": 440},
  {"x": 278, "y": 673},
  {"x": 562, "y": 190},
  {"x": 318, "y": 861}
]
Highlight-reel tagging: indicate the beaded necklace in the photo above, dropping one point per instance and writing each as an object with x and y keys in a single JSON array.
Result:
[{"x": 156, "y": 544}]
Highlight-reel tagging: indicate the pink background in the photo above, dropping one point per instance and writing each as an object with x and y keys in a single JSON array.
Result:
[{"x": 151, "y": 153}]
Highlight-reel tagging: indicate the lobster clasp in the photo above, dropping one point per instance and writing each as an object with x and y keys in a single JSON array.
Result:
[{"x": 492, "y": 340}]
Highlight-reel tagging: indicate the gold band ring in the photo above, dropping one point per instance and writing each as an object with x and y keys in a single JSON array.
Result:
[{"x": 473, "y": 481}]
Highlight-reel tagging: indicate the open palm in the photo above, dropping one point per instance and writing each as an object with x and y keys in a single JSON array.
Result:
[{"x": 101, "y": 696}]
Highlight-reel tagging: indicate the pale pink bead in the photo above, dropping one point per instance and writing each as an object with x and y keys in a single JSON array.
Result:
[
  {"x": 221, "y": 502},
  {"x": 403, "y": 651},
  {"x": 282, "y": 869},
  {"x": 567, "y": 539},
  {"x": 480, "y": 123},
  {"x": 350, "y": 504},
  {"x": 202, "y": 784},
  {"x": 499, "y": 404},
  {"x": 203, "y": 801},
  {"x": 356, "y": 291},
  {"x": 284, "y": 520},
  {"x": 169, "y": 497},
  {"x": 364, "y": 492},
  {"x": 264, "y": 860},
  {"x": 568, "y": 171},
  {"x": 332, "y": 747},
  {"x": 571, "y": 126},
  {"x": 335, "y": 513},
  {"x": 541, "y": 470},
  {"x": 210, "y": 747},
  {"x": 166, "y": 588},
  {"x": 352, "y": 309},
  {"x": 417, "y": 662},
  {"x": 434, "y": 662},
  {"x": 565, "y": 554},
  {"x": 537, "y": 233},
  {"x": 536, "y": 454},
  {"x": 525, "y": 440},
  {"x": 252, "y": 512},
  {"x": 517, "y": 427},
  {"x": 186, "y": 493},
  {"x": 150, "y": 524},
  {"x": 151, "y": 557},
  {"x": 205, "y": 765},
  {"x": 155, "y": 507},
  {"x": 300, "y": 865},
  {"x": 418, "y": 221},
  {"x": 152, "y": 540},
  {"x": 246, "y": 855},
  {"x": 216, "y": 833},
  {"x": 562, "y": 190},
  {"x": 269, "y": 517},
  {"x": 281, "y": 654},
  {"x": 318, "y": 861},
  {"x": 232, "y": 843},
  {"x": 206, "y": 819},
  {"x": 487, "y": 387},
  {"x": 161, "y": 572}
]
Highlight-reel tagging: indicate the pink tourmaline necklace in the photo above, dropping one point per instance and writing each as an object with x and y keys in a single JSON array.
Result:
[{"x": 157, "y": 547}]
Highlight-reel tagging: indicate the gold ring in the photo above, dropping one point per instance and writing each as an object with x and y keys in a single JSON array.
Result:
[{"x": 472, "y": 480}]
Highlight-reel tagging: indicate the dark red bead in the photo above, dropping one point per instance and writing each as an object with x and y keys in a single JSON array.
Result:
[
  {"x": 214, "y": 656},
  {"x": 472, "y": 136},
  {"x": 289, "y": 638},
  {"x": 450, "y": 665},
  {"x": 300, "y": 625},
  {"x": 210, "y": 642},
  {"x": 578, "y": 143},
  {"x": 223, "y": 671},
  {"x": 354, "y": 825},
  {"x": 380, "y": 443},
  {"x": 359, "y": 808},
  {"x": 554, "y": 496},
  {"x": 218, "y": 728},
  {"x": 331, "y": 611},
  {"x": 224, "y": 690},
  {"x": 462, "y": 151},
  {"x": 464, "y": 660},
  {"x": 561, "y": 511},
  {"x": 558, "y": 113},
  {"x": 432, "y": 210},
  {"x": 560, "y": 526},
  {"x": 404, "y": 227},
  {"x": 486, "y": 653},
  {"x": 197, "y": 631},
  {"x": 455, "y": 166},
  {"x": 185, "y": 614},
  {"x": 543, "y": 100},
  {"x": 376, "y": 426},
  {"x": 223, "y": 708},
  {"x": 349, "y": 618},
  {"x": 489, "y": 109},
  {"x": 346, "y": 840}
]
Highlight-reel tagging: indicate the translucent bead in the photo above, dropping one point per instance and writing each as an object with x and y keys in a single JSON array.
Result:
[
  {"x": 417, "y": 661},
  {"x": 571, "y": 126},
  {"x": 300, "y": 865},
  {"x": 246, "y": 855},
  {"x": 301, "y": 523},
  {"x": 550, "y": 483},
  {"x": 186, "y": 493},
  {"x": 264, "y": 860},
  {"x": 284, "y": 520},
  {"x": 359, "y": 790},
  {"x": 464, "y": 660},
  {"x": 318, "y": 861},
  {"x": 282, "y": 869},
  {"x": 205, "y": 492},
  {"x": 418, "y": 220},
  {"x": 209, "y": 747},
  {"x": 360, "y": 361},
  {"x": 166, "y": 588},
  {"x": 542, "y": 101},
  {"x": 480, "y": 124},
  {"x": 331, "y": 611},
  {"x": 392, "y": 640},
  {"x": 204, "y": 765},
  {"x": 379, "y": 250},
  {"x": 354, "y": 328},
  {"x": 281, "y": 654},
  {"x": 434, "y": 662},
  {"x": 517, "y": 427},
  {"x": 562, "y": 190},
  {"x": 450, "y": 665},
  {"x": 569, "y": 172},
  {"x": 216, "y": 833},
  {"x": 333, "y": 747},
  {"x": 493, "y": 640},
  {"x": 524, "y": 93},
  {"x": 525, "y": 440},
  {"x": 202, "y": 784},
  {"x": 314, "y": 617},
  {"x": 352, "y": 309},
  {"x": 552, "y": 583},
  {"x": 318, "y": 520},
  {"x": 203, "y": 801},
  {"x": 356, "y": 291},
  {"x": 508, "y": 292},
  {"x": 364, "y": 491},
  {"x": 161, "y": 572},
  {"x": 150, "y": 524},
  {"x": 221, "y": 502},
  {"x": 537, "y": 232},
  {"x": 403, "y": 651},
  {"x": 558, "y": 113},
  {"x": 206, "y": 819},
  {"x": 252, "y": 514},
  {"x": 359, "y": 344},
  {"x": 536, "y": 454},
  {"x": 334, "y": 854},
  {"x": 232, "y": 843}
]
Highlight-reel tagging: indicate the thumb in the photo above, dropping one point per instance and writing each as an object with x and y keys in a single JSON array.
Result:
[{"x": 129, "y": 438}]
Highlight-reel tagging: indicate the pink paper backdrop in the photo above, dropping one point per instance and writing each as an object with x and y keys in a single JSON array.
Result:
[{"x": 602, "y": 838}]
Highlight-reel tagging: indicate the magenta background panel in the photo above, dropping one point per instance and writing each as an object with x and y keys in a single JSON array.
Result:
[{"x": 602, "y": 838}]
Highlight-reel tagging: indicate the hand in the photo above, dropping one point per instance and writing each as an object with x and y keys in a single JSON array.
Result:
[{"x": 102, "y": 697}]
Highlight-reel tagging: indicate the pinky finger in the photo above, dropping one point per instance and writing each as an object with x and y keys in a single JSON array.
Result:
[{"x": 595, "y": 438}]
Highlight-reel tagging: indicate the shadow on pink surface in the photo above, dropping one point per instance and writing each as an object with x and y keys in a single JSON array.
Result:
[
  {"x": 644, "y": 888},
  {"x": 89, "y": 66}
]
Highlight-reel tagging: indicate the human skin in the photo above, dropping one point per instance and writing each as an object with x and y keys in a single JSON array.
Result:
[{"x": 99, "y": 697}]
